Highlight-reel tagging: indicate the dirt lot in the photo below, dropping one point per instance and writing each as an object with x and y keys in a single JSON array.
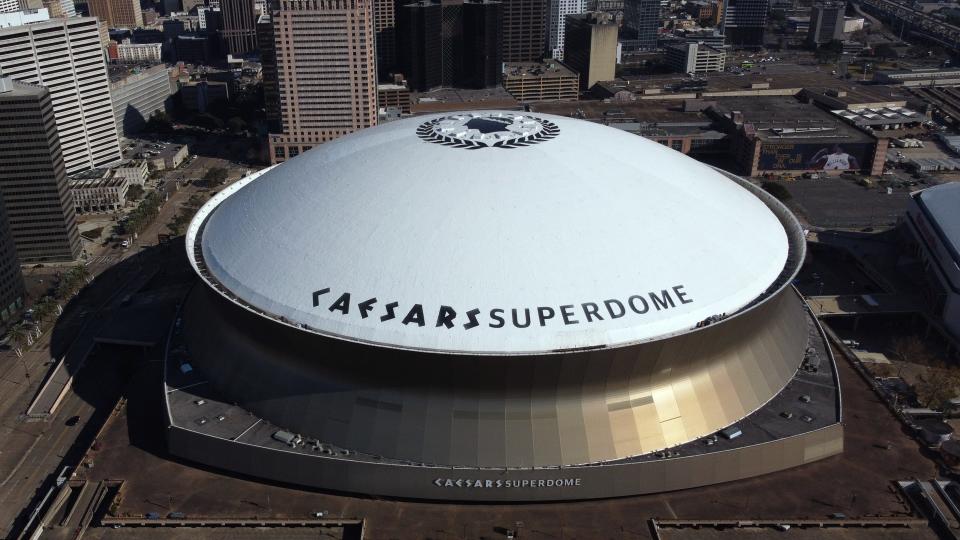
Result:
[{"x": 858, "y": 483}]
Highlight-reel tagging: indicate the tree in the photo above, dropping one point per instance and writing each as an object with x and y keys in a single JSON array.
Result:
[
  {"x": 912, "y": 349},
  {"x": 937, "y": 387},
  {"x": 18, "y": 335},
  {"x": 236, "y": 124},
  {"x": 829, "y": 52},
  {"x": 209, "y": 121},
  {"x": 134, "y": 192},
  {"x": 885, "y": 51},
  {"x": 777, "y": 190},
  {"x": 159, "y": 123},
  {"x": 215, "y": 176},
  {"x": 42, "y": 310}
]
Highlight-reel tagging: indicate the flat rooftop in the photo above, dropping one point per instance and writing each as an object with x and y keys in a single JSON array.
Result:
[
  {"x": 548, "y": 70},
  {"x": 785, "y": 77},
  {"x": 784, "y": 119},
  {"x": 458, "y": 99},
  {"x": 648, "y": 111},
  {"x": 880, "y": 116},
  {"x": 857, "y": 95}
]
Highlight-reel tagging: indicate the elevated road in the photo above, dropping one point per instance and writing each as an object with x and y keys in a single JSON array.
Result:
[{"x": 907, "y": 19}]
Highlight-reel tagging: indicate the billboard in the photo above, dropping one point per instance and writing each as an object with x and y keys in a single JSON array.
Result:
[{"x": 815, "y": 156}]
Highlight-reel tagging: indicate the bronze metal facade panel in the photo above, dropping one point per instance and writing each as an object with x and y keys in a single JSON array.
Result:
[
  {"x": 493, "y": 411},
  {"x": 587, "y": 482}
]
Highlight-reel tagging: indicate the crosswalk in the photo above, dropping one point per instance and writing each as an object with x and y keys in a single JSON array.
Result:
[{"x": 103, "y": 259}]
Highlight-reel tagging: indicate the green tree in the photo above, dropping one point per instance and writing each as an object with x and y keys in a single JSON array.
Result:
[
  {"x": 829, "y": 52},
  {"x": 18, "y": 335},
  {"x": 236, "y": 124},
  {"x": 777, "y": 190},
  {"x": 885, "y": 51},
  {"x": 215, "y": 176},
  {"x": 159, "y": 123}
]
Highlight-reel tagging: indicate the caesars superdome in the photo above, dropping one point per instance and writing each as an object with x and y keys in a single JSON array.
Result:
[{"x": 489, "y": 305}]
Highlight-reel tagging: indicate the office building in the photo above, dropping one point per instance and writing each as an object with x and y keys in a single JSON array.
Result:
[
  {"x": 138, "y": 96},
  {"x": 826, "y": 24},
  {"x": 12, "y": 290},
  {"x": 117, "y": 13},
  {"x": 198, "y": 96},
  {"x": 135, "y": 171},
  {"x": 482, "y": 39},
  {"x": 60, "y": 8},
  {"x": 641, "y": 24},
  {"x": 695, "y": 58},
  {"x": 592, "y": 47},
  {"x": 268, "y": 62},
  {"x": 65, "y": 56},
  {"x": 194, "y": 49},
  {"x": 33, "y": 179},
  {"x": 524, "y": 30},
  {"x": 744, "y": 21},
  {"x": 19, "y": 18},
  {"x": 394, "y": 96},
  {"x": 204, "y": 15},
  {"x": 385, "y": 27},
  {"x": 556, "y": 24},
  {"x": 532, "y": 82},
  {"x": 449, "y": 43},
  {"x": 137, "y": 53},
  {"x": 239, "y": 26},
  {"x": 420, "y": 40},
  {"x": 99, "y": 191},
  {"x": 329, "y": 87},
  {"x": 706, "y": 12},
  {"x": 10, "y": 6}
]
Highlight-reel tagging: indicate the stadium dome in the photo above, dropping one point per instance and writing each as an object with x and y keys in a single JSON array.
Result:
[
  {"x": 501, "y": 291},
  {"x": 493, "y": 233}
]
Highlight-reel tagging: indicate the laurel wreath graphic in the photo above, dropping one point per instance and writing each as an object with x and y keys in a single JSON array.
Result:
[{"x": 427, "y": 132}]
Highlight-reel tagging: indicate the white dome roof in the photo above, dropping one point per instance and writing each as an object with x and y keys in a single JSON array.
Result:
[{"x": 495, "y": 233}]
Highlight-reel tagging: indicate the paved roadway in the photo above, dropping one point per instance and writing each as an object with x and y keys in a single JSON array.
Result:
[{"x": 33, "y": 451}]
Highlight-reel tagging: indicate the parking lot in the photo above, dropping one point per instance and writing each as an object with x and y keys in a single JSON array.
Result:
[{"x": 839, "y": 203}]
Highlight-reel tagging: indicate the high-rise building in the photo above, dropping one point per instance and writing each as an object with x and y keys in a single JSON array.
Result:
[
  {"x": 65, "y": 56},
  {"x": 524, "y": 30},
  {"x": 591, "y": 47},
  {"x": 326, "y": 72},
  {"x": 117, "y": 13},
  {"x": 450, "y": 43},
  {"x": 33, "y": 180},
  {"x": 138, "y": 96},
  {"x": 9, "y": 6},
  {"x": 268, "y": 61},
  {"x": 826, "y": 23},
  {"x": 482, "y": 56},
  {"x": 12, "y": 290},
  {"x": 11, "y": 280},
  {"x": 744, "y": 21},
  {"x": 60, "y": 8},
  {"x": 641, "y": 24},
  {"x": 557, "y": 19},
  {"x": 239, "y": 30},
  {"x": 385, "y": 27},
  {"x": 420, "y": 44}
]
